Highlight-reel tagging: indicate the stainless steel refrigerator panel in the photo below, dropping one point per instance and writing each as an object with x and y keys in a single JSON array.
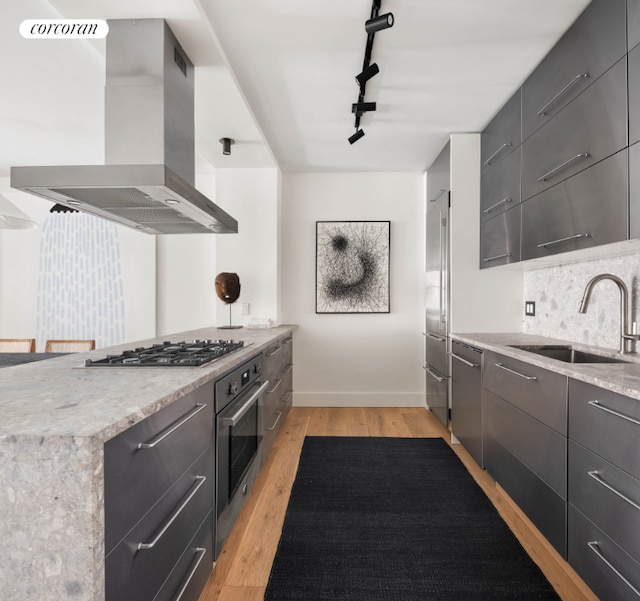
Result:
[
  {"x": 437, "y": 267},
  {"x": 436, "y": 353},
  {"x": 437, "y": 394}
]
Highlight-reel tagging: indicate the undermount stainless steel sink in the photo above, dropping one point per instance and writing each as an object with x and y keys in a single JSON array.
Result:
[{"x": 566, "y": 353}]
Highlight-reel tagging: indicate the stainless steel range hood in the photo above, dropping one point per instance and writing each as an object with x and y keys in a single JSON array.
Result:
[{"x": 148, "y": 180}]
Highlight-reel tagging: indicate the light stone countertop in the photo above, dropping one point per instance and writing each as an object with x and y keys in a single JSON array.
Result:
[
  {"x": 623, "y": 378},
  {"x": 56, "y": 417}
]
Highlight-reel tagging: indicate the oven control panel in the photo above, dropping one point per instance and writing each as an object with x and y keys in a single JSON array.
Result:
[{"x": 236, "y": 381}]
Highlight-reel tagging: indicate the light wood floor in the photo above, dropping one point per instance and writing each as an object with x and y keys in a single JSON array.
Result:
[{"x": 242, "y": 570}]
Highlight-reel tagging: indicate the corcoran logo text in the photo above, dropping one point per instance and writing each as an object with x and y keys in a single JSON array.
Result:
[{"x": 64, "y": 28}]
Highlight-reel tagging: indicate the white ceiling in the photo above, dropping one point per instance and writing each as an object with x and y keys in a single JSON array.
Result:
[{"x": 278, "y": 77}]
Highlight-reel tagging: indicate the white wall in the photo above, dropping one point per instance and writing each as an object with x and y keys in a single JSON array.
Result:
[{"x": 355, "y": 359}]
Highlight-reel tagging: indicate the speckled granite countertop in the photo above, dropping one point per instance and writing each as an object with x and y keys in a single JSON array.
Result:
[
  {"x": 56, "y": 417},
  {"x": 623, "y": 378}
]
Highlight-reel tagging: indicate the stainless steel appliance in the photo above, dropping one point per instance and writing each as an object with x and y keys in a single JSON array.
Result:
[
  {"x": 148, "y": 180},
  {"x": 437, "y": 287},
  {"x": 238, "y": 407},
  {"x": 170, "y": 354}
]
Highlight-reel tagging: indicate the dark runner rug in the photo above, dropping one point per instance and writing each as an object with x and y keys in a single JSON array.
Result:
[{"x": 395, "y": 519}]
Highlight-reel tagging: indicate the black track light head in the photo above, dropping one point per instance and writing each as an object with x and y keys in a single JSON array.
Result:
[
  {"x": 379, "y": 23},
  {"x": 363, "y": 107},
  {"x": 355, "y": 137},
  {"x": 367, "y": 74},
  {"x": 226, "y": 144}
]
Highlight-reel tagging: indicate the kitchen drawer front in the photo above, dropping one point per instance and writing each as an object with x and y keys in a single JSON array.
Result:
[
  {"x": 132, "y": 573},
  {"x": 134, "y": 479},
  {"x": 592, "y": 44},
  {"x": 591, "y": 128},
  {"x": 436, "y": 353},
  {"x": 189, "y": 577},
  {"x": 273, "y": 357},
  {"x": 466, "y": 398},
  {"x": 546, "y": 509},
  {"x": 586, "y": 210},
  {"x": 604, "y": 566},
  {"x": 538, "y": 392},
  {"x": 503, "y": 135},
  {"x": 500, "y": 239},
  {"x": 540, "y": 448},
  {"x": 500, "y": 187},
  {"x": 607, "y": 424},
  {"x": 609, "y": 497},
  {"x": 634, "y": 95},
  {"x": 633, "y": 23}
]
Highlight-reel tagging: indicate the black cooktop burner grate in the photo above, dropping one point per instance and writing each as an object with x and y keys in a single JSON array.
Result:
[{"x": 180, "y": 354}]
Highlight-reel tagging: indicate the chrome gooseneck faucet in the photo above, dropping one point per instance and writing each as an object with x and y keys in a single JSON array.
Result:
[{"x": 625, "y": 335}]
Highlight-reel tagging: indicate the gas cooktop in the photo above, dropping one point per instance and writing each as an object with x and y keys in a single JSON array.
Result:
[{"x": 170, "y": 354}]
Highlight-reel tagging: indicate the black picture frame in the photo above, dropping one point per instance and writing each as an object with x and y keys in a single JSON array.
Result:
[{"x": 352, "y": 266}]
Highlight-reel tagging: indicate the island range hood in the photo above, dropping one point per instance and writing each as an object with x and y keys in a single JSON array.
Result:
[{"x": 147, "y": 181}]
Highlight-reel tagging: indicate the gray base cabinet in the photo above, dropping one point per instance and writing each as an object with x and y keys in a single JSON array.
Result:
[
  {"x": 466, "y": 398},
  {"x": 604, "y": 490}
]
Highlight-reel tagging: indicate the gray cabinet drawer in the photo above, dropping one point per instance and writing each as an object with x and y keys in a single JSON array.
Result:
[
  {"x": 500, "y": 187},
  {"x": 540, "y": 448},
  {"x": 133, "y": 573},
  {"x": 609, "y": 497},
  {"x": 500, "y": 239},
  {"x": 546, "y": 509},
  {"x": 588, "y": 209},
  {"x": 602, "y": 564},
  {"x": 538, "y": 392},
  {"x": 502, "y": 135},
  {"x": 634, "y": 95},
  {"x": 591, "y": 45},
  {"x": 633, "y": 23},
  {"x": 466, "y": 398},
  {"x": 436, "y": 353},
  {"x": 607, "y": 424},
  {"x": 591, "y": 128},
  {"x": 136, "y": 478}
]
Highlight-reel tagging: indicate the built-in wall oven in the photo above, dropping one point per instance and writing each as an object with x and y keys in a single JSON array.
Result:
[{"x": 238, "y": 406}]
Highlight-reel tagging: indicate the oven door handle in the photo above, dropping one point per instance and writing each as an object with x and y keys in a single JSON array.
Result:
[{"x": 232, "y": 420}]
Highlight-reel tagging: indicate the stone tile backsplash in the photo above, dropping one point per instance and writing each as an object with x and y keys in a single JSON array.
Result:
[{"x": 558, "y": 290}]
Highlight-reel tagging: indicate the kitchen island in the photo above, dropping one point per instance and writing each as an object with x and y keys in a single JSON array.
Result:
[{"x": 57, "y": 416}]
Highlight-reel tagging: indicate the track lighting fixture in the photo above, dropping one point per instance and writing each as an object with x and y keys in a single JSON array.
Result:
[
  {"x": 355, "y": 137},
  {"x": 367, "y": 74},
  {"x": 363, "y": 107},
  {"x": 379, "y": 23},
  {"x": 375, "y": 23},
  {"x": 226, "y": 144}
]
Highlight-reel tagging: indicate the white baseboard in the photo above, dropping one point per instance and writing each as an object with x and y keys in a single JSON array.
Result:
[{"x": 358, "y": 399}]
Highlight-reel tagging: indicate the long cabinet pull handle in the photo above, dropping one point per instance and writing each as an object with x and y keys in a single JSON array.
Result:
[
  {"x": 272, "y": 353},
  {"x": 232, "y": 420},
  {"x": 156, "y": 441},
  {"x": 288, "y": 396},
  {"x": 551, "y": 174},
  {"x": 596, "y": 476},
  {"x": 440, "y": 193},
  {"x": 200, "y": 480},
  {"x": 561, "y": 240},
  {"x": 287, "y": 368},
  {"x": 593, "y": 545},
  {"x": 496, "y": 153},
  {"x": 200, "y": 553},
  {"x": 515, "y": 373},
  {"x": 276, "y": 422},
  {"x": 459, "y": 358},
  {"x": 433, "y": 374},
  {"x": 275, "y": 387},
  {"x": 500, "y": 202},
  {"x": 597, "y": 405},
  {"x": 288, "y": 340},
  {"x": 496, "y": 257},
  {"x": 543, "y": 111}
]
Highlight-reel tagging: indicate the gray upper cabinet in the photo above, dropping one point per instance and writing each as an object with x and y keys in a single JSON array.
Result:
[
  {"x": 634, "y": 95},
  {"x": 588, "y": 209},
  {"x": 500, "y": 239},
  {"x": 594, "y": 43},
  {"x": 502, "y": 136},
  {"x": 500, "y": 187},
  {"x": 589, "y": 129},
  {"x": 633, "y": 23}
]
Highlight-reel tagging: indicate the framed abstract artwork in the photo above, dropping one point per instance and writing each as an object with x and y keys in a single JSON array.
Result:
[{"x": 352, "y": 266}]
